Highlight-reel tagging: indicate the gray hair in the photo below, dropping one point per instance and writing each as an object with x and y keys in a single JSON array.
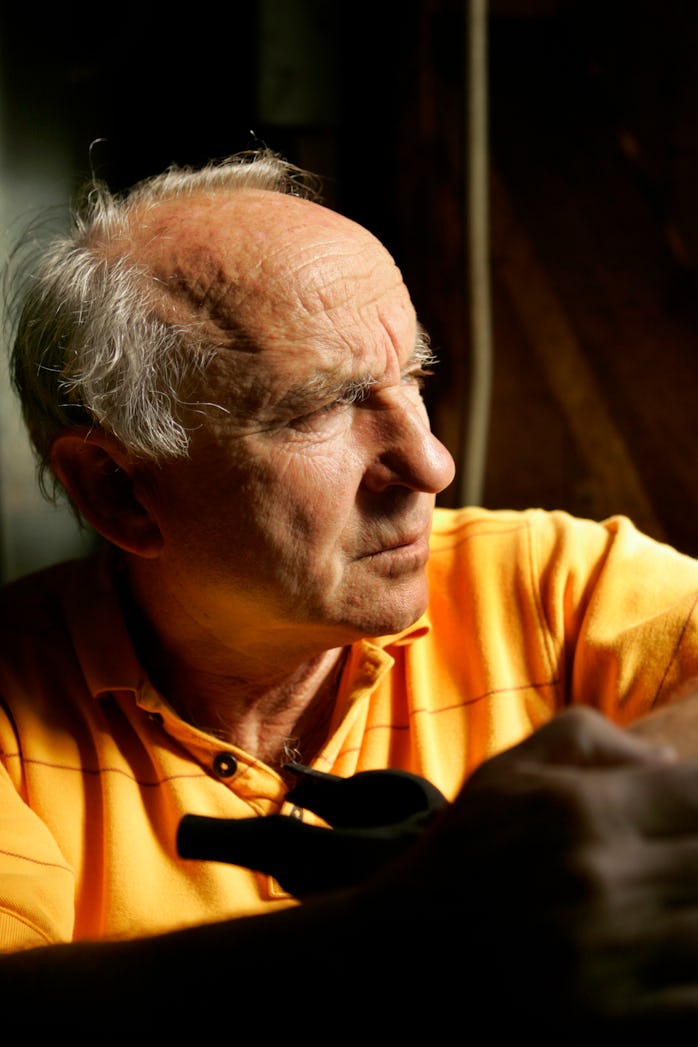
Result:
[{"x": 89, "y": 346}]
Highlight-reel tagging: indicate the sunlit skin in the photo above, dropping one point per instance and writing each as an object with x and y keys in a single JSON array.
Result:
[{"x": 300, "y": 521}]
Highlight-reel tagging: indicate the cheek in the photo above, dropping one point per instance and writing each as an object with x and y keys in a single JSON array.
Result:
[
  {"x": 305, "y": 506},
  {"x": 281, "y": 499},
  {"x": 321, "y": 479},
  {"x": 199, "y": 502}
]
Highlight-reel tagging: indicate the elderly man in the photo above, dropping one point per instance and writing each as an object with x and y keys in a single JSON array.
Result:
[{"x": 224, "y": 376}]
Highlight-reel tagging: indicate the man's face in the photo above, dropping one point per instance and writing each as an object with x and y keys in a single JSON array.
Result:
[{"x": 304, "y": 509}]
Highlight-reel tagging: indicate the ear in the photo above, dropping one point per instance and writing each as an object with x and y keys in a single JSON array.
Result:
[{"x": 101, "y": 479}]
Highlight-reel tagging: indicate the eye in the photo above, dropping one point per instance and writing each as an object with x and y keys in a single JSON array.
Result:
[
  {"x": 336, "y": 405},
  {"x": 356, "y": 393},
  {"x": 313, "y": 420}
]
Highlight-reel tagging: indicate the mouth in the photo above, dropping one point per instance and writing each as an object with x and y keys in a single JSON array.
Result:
[
  {"x": 404, "y": 560},
  {"x": 407, "y": 545}
]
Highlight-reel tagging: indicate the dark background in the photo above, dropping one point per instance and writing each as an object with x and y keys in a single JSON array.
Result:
[{"x": 593, "y": 216}]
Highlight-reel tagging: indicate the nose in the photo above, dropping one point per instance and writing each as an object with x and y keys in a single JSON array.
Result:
[{"x": 405, "y": 451}]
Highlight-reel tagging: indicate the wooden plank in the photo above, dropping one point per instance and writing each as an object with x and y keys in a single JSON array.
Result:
[{"x": 599, "y": 442}]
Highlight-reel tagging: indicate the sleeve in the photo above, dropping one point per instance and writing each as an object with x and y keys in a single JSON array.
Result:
[
  {"x": 37, "y": 886},
  {"x": 627, "y": 607}
]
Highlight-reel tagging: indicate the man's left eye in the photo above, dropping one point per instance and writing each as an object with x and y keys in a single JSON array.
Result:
[
  {"x": 306, "y": 421},
  {"x": 356, "y": 393},
  {"x": 334, "y": 405}
]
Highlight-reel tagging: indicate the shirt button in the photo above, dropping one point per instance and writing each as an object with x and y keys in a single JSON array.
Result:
[{"x": 225, "y": 765}]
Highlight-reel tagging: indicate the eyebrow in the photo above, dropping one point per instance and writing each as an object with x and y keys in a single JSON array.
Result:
[{"x": 331, "y": 385}]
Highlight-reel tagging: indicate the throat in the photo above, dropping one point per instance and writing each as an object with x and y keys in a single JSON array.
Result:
[
  {"x": 286, "y": 721},
  {"x": 274, "y": 714},
  {"x": 313, "y": 727}
]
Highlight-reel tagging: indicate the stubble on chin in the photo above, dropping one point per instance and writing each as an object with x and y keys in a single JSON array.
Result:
[{"x": 386, "y": 607}]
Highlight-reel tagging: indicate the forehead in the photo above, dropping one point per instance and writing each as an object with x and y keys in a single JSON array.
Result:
[
  {"x": 275, "y": 278},
  {"x": 256, "y": 249}
]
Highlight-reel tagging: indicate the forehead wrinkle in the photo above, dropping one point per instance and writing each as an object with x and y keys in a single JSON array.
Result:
[
  {"x": 277, "y": 289},
  {"x": 339, "y": 280},
  {"x": 260, "y": 392},
  {"x": 236, "y": 266},
  {"x": 333, "y": 381}
]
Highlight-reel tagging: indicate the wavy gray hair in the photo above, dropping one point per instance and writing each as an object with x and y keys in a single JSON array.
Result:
[{"x": 89, "y": 346}]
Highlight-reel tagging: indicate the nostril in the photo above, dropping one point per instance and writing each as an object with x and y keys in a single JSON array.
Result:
[{"x": 422, "y": 464}]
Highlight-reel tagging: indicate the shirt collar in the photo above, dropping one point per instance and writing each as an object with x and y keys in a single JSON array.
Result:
[{"x": 99, "y": 632}]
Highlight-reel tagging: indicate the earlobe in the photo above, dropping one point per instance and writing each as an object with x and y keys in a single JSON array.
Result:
[{"x": 99, "y": 478}]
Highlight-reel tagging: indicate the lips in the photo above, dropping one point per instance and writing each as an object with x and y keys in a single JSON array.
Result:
[
  {"x": 404, "y": 543},
  {"x": 408, "y": 540}
]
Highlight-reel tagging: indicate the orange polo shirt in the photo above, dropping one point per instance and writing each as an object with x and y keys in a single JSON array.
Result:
[{"x": 528, "y": 613}]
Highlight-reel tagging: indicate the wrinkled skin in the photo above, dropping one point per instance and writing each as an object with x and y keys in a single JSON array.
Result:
[{"x": 300, "y": 519}]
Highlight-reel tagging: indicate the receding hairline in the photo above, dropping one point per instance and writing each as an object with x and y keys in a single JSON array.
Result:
[
  {"x": 90, "y": 343},
  {"x": 257, "y": 210},
  {"x": 195, "y": 250}
]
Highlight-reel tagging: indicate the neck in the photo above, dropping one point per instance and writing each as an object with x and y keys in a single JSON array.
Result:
[
  {"x": 285, "y": 717},
  {"x": 277, "y": 705}
]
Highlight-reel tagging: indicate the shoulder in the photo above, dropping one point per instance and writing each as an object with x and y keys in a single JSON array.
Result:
[
  {"x": 457, "y": 533},
  {"x": 553, "y": 532},
  {"x": 63, "y": 623},
  {"x": 558, "y": 554},
  {"x": 37, "y": 602}
]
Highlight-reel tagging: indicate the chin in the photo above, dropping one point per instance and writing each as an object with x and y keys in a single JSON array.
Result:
[{"x": 388, "y": 621}]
